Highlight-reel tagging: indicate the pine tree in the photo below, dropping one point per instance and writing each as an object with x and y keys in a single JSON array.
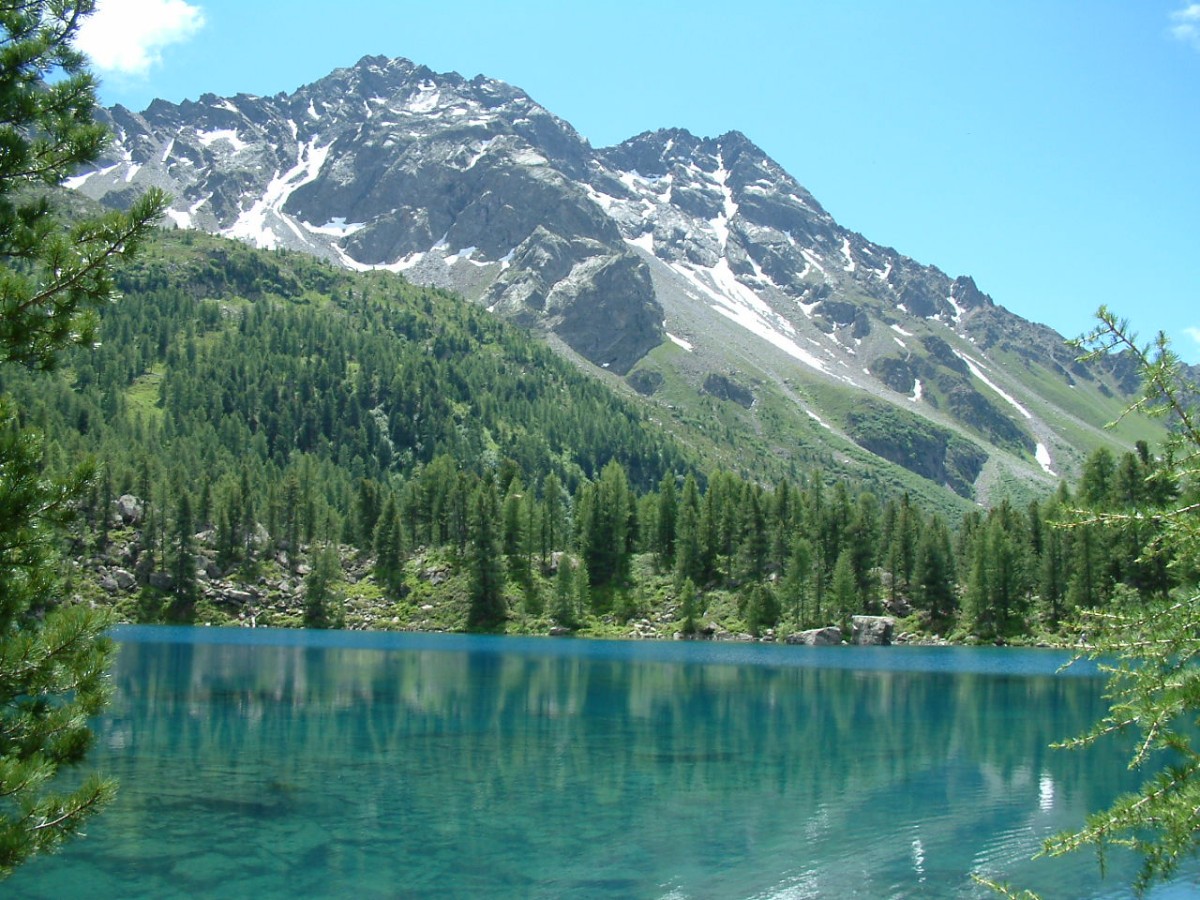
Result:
[
  {"x": 688, "y": 534},
  {"x": 604, "y": 527},
  {"x": 291, "y": 514},
  {"x": 514, "y": 533},
  {"x": 53, "y": 276},
  {"x": 755, "y": 543},
  {"x": 762, "y": 609},
  {"x": 106, "y": 505},
  {"x": 862, "y": 539},
  {"x": 843, "y": 589},
  {"x": 183, "y": 561},
  {"x": 322, "y": 605},
  {"x": 665, "y": 523},
  {"x": 487, "y": 609},
  {"x": 782, "y": 525},
  {"x": 552, "y": 524},
  {"x": 1085, "y": 584},
  {"x": 1053, "y": 568},
  {"x": 902, "y": 548},
  {"x": 389, "y": 546},
  {"x": 687, "y": 608},
  {"x": 564, "y": 607},
  {"x": 796, "y": 589},
  {"x": 933, "y": 573}
]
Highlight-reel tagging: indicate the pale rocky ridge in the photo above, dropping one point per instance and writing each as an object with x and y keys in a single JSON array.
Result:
[{"x": 668, "y": 240}]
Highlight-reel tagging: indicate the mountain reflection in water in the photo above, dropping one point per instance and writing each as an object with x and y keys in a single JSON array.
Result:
[{"x": 288, "y": 764}]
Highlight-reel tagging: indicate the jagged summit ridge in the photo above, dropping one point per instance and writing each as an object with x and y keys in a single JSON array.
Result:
[{"x": 667, "y": 239}]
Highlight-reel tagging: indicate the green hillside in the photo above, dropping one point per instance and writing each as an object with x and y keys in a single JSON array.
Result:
[{"x": 277, "y": 441}]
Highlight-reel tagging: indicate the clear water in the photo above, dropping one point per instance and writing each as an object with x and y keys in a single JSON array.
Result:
[{"x": 294, "y": 764}]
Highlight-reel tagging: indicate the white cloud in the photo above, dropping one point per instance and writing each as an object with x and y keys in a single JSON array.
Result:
[
  {"x": 128, "y": 36},
  {"x": 1185, "y": 24},
  {"x": 1193, "y": 333}
]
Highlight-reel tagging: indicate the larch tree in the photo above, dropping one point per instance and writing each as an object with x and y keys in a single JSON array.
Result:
[
  {"x": 54, "y": 274},
  {"x": 1149, "y": 643},
  {"x": 1154, "y": 682}
]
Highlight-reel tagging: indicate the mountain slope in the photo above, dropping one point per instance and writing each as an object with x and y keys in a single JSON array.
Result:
[{"x": 697, "y": 268}]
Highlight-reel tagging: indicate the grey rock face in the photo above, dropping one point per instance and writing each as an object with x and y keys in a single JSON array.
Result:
[
  {"x": 830, "y": 636},
  {"x": 130, "y": 509},
  {"x": 875, "y": 631},
  {"x": 464, "y": 184}
]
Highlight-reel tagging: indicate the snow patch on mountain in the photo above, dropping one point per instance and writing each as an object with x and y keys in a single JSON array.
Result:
[
  {"x": 643, "y": 241},
  {"x": 740, "y": 305},
  {"x": 254, "y": 224},
  {"x": 228, "y": 135},
  {"x": 1043, "y": 457},
  {"x": 680, "y": 342},
  {"x": 811, "y": 258},
  {"x": 850, "y": 264},
  {"x": 336, "y": 227},
  {"x": 425, "y": 100},
  {"x": 977, "y": 371}
]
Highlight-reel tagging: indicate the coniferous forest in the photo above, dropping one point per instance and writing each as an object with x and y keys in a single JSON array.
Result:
[
  {"x": 276, "y": 441},
  {"x": 259, "y": 438}
]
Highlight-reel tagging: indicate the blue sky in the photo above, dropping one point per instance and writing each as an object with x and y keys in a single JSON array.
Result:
[{"x": 1048, "y": 149}]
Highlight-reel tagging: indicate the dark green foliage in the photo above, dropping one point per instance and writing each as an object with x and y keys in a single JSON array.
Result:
[
  {"x": 843, "y": 589},
  {"x": 183, "y": 561},
  {"x": 570, "y": 596},
  {"x": 389, "y": 546},
  {"x": 754, "y": 543},
  {"x": 762, "y": 609},
  {"x": 997, "y": 590},
  {"x": 687, "y": 608},
  {"x": 665, "y": 522},
  {"x": 862, "y": 538},
  {"x": 901, "y": 539},
  {"x": 391, "y": 380},
  {"x": 515, "y": 533},
  {"x": 689, "y": 538},
  {"x": 296, "y": 415},
  {"x": 604, "y": 532},
  {"x": 916, "y": 444},
  {"x": 322, "y": 603},
  {"x": 54, "y": 275},
  {"x": 796, "y": 589},
  {"x": 933, "y": 582},
  {"x": 1147, "y": 639},
  {"x": 487, "y": 610}
]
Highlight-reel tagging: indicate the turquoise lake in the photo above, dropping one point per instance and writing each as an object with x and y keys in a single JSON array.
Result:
[{"x": 266, "y": 763}]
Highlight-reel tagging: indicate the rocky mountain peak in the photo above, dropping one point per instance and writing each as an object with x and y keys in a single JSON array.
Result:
[{"x": 667, "y": 239}]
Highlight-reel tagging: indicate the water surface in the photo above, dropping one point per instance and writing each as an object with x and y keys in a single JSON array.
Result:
[{"x": 282, "y": 764}]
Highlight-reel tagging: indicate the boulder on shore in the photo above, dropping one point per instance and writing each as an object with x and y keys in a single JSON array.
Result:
[
  {"x": 872, "y": 631},
  {"x": 828, "y": 636}
]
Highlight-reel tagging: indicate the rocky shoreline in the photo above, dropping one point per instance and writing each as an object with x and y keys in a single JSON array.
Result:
[{"x": 272, "y": 593}]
